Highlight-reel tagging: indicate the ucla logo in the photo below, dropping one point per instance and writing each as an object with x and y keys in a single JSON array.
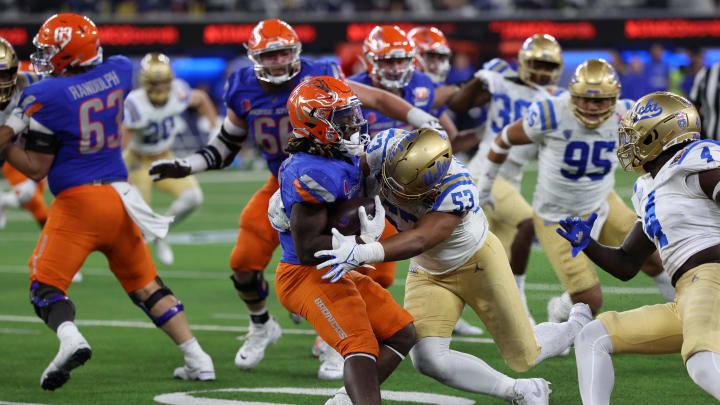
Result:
[
  {"x": 435, "y": 173},
  {"x": 649, "y": 110}
]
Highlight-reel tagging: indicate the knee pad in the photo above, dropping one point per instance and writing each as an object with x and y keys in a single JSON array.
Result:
[
  {"x": 594, "y": 336},
  {"x": 149, "y": 303},
  {"x": 254, "y": 291},
  {"x": 45, "y": 297},
  {"x": 430, "y": 357}
]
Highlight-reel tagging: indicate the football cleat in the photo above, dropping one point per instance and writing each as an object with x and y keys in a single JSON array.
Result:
[
  {"x": 531, "y": 391},
  {"x": 332, "y": 365},
  {"x": 74, "y": 352},
  {"x": 319, "y": 347},
  {"x": 340, "y": 398},
  {"x": 558, "y": 309},
  {"x": 258, "y": 338},
  {"x": 77, "y": 278},
  {"x": 196, "y": 368},
  {"x": 164, "y": 252},
  {"x": 581, "y": 314},
  {"x": 462, "y": 327}
]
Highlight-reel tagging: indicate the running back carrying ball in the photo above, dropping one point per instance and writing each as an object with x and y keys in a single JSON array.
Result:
[{"x": 344, "y": 215}]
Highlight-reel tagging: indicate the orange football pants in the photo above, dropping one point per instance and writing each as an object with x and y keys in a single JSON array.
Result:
[
  {"x": 84, "y": 219},
  {"x": 257, "y": 239},
  {"x": 36, "y": 205},
  {"x": 352, "y": 315}
]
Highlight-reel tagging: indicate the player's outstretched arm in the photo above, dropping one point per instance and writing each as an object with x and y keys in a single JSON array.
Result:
[
  {"x": 443, "y": 94},
  {"x": 218, "y": 153},
  {"x": 392, "y": 106},
  {"x": 474, "y": 93},
  {"x": 431, "y": 229},
  {"x": 448, "y": 125},
  {"x": 621, "y": 262}
]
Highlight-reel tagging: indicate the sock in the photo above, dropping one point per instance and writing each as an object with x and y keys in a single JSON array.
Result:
[
  {"x": 704, "y": 369},
  {"x": 432, "y": 356},
  {"x": 520, "y": 281},
  {"x": 259, "y": 317},
  {"x": 662, "y": 281},
  {"x": 67, "y": 329},
  {"x": 191, "y": 347},
  {"x": 185, "y": 204},
  {"x": 596, "y": 375}
]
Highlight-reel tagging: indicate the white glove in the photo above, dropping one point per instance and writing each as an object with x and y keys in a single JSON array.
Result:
[
  {"x": 347, "y": 255},
  {"x": 276, "y": 213},
  {"x": 371, "y": 228}
]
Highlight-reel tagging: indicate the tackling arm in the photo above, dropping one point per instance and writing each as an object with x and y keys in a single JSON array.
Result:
[
  {"x": 448, "y": 125},
  {"x": 391, "y": 105},
  {"x": 443, "y": 94},
  {"x": 430, "y": 230}
]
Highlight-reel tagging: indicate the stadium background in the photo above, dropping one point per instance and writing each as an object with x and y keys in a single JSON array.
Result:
[{"x": 653, "y": 44}]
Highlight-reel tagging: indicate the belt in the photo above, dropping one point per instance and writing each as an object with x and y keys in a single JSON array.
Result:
[{"x": 101, "y": 182}]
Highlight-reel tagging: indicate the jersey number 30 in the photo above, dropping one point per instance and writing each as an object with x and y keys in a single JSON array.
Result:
[{"x": 90, "y": 143}]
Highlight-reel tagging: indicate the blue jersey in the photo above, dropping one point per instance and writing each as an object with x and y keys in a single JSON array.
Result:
[
  {"x": 266, "y": 112},
  {"x": 315, "y": 179},
  {"x": 420, "y": 92},
  {"x": 84, "y": 112}
]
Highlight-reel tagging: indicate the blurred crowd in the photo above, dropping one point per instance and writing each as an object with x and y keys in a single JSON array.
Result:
[{"x": 464, "y": 7}]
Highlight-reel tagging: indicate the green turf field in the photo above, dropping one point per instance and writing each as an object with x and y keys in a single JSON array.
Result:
[{"x": 133, "y": 362}]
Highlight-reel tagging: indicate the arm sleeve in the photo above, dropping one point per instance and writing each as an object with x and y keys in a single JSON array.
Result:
[
  {"x": 313, "y": 185},
  {"x": 378, "y": 148},
  {"x": 132, "y": 115}
]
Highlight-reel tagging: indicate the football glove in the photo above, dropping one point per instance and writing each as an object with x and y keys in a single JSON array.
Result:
[
  {"x": 371, "y": 228},
  {"x": 347, "y": 255},
  {"x": 577, "y": 231},
  {"x": 169, "y": 168}
]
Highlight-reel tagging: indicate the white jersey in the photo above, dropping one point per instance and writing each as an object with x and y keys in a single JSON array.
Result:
[
  {"x": 576, "y": 164},
  {"x": 676, "y": 214},
  {"x": 155, "y": 127},
  {"x": 24, "y": 79},
  {"x": 511, "y": 98},
  {"x": 457, "y": 193}
]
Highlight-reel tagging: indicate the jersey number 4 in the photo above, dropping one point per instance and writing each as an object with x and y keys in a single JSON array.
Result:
[{"x": 92, "y": 133}]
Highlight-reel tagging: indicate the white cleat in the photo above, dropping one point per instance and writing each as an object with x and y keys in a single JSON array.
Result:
[
  {"x": 258, "y": 338},
  {"x": 332, "y": 365},
  {"x": 164, "y": 252},
  {"x": 77, "y": 278},
  {"x": 74, "y": 352},
  {"x": 581, "y": 314},
  {"x": 341, "y": 398},
  {"x": 197, "y": 369},
  {"x": 558, "y": 310},
  {"x": 531, "y": 391},
  {"x": 319, "y": 347},
  {"x": 463, "y": 328}
]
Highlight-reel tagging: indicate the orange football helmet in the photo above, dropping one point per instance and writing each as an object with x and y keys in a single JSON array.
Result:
[
  {"x": 271, "y": 36},
  {"x": 433, "y": 52},
  {"x": 389, "y": 43},
  {"x": 327, "y": 111},
  {"x": 66, "y": 40}
]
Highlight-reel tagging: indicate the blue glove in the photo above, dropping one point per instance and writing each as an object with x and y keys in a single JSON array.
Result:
[{"x": 577, "y": 231}]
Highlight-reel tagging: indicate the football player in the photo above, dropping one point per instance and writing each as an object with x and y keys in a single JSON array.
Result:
[
  {"x": 149, "y": 128},
  {"x": 432, "y": 56},
  {"x": 24, "y": 192},
  {"x": 676, "y": 201},
  {"x": 389, "y": 56},
  {"x": 575, "y": 133},
  {"x": 508, "y": 97},
  {"x": 356, "y": 316},
  {"x": 455, "y": 260},
  {"x": 256, "y": 99},
  {"x": 73, "y": 122}
]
